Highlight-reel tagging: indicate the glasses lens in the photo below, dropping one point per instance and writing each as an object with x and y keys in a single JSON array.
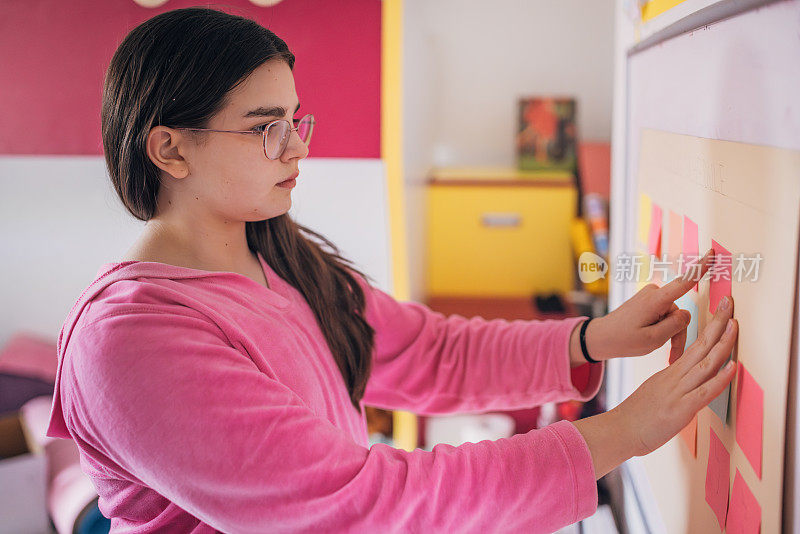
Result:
[
  {"x": 276, "y": 139},
  {"x": 305, "y": 127}
]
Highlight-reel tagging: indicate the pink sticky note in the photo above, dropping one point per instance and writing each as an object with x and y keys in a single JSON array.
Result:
[
  {"x": 691, "y": 248},
  {"x": 749, "y": 417},
  {"x": 654, "y": 237},
  {"x": 675, "y": 238},
  {"x": 720, "y": 274},
  {"x": 689, "y": 436},
  {"x": 744, "y": 516},
  {"x": 718, "y": 478}
]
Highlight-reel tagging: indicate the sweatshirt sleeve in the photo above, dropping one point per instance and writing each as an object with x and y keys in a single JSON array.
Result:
[
  {"x": 431, "y": 364},
  {"x": 170, "y": 403}
]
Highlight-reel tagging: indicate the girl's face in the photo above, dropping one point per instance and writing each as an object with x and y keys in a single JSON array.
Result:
[{"x": 229, "y": 175}]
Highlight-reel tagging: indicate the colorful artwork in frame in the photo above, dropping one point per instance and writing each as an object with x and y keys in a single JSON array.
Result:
[{"x": 546, "y": 134}]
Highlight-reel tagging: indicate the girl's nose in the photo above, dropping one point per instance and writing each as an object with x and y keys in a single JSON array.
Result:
[{"x": 296, "y": 148}]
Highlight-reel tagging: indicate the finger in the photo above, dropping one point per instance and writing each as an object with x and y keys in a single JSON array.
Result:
[
  {"x": 709, "y": 336},
  {"x": 667, "y": 327},
  {"x": 677, "y": 344},
  {"x": 651, "y": 286},
  {"x": 708, "y": 366},
  {"x": 681, "y": 284},
  {"x": 702, "y": 395}
]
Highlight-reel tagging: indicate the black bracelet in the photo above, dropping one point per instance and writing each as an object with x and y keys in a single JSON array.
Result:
[{"x": 583, "y": 342}]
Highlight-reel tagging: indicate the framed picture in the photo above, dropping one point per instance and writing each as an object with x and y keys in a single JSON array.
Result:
[{"x": 546, "y": 134}]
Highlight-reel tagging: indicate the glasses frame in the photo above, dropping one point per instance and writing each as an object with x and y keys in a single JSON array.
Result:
[{"x": 266, "y": 131}]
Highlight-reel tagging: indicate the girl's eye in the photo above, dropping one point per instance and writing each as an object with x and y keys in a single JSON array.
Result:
[{"x": 259, "y": 128}]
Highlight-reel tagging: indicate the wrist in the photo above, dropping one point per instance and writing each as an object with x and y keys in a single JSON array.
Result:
[
  {"x": 628, "y": 427},
  {"x": 592, "y": 333},
  {"x": 576, "y": 358},
  {"x": 608, "y": 438},
  {"x": 626, "y": 430},
  {"x": 596, "y": 339}
]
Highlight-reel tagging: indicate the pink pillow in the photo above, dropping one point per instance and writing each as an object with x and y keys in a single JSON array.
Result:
[{"x": 32, "y": 355}]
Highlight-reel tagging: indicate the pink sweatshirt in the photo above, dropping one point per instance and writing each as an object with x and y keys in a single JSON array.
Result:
[{"x": 203, "y": 401}]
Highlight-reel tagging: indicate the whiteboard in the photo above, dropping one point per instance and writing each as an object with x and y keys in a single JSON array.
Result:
[{"x": 734, "y": 79}]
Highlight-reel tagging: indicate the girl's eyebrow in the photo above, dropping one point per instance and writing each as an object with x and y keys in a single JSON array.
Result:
[{"x": 274, "y": 111}]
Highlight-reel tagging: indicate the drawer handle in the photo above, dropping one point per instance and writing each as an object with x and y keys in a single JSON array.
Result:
[{"x": 501, "y": 220}]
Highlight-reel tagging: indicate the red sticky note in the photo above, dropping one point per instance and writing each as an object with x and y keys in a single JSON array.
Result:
[
  {"x": 720, "y": 274},
  {"x": 675, "y": 238},
  {"x": 749, "y": 417},
  {"x": 691, "y": 247},
  {"x": 689, "y": 436},
  {"x": 744, "y": 516},
  {"x": 654, "y": 237},
  {"x": 718, "y": 478}
]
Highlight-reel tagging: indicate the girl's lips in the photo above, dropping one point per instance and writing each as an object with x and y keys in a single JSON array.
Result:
[
  {"x": 289, "y": 182},
  {"x": 292, "y": 177}
]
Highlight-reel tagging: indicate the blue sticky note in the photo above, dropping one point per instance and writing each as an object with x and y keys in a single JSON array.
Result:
[
  {"x": 686, "y": 302},
  {"x": 720, "y": 404}
]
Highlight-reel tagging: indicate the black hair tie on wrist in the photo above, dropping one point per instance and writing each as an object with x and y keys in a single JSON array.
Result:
[{"x": 583, "y": 342}]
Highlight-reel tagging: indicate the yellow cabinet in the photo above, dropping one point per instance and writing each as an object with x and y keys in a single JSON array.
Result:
[{"x": 499, "y": 232}]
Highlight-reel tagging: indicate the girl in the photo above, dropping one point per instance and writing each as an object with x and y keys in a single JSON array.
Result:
[{"x": 214, "y": 380}]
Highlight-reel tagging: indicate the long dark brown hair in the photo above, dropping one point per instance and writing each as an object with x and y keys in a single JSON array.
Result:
[{"x": 176, "y": 69}]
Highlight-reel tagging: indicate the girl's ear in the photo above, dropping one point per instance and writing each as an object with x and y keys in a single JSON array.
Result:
[{"x": 165, "y": 147}]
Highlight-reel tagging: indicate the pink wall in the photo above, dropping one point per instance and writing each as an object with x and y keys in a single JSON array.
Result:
[{"x": 54, "y": 54}]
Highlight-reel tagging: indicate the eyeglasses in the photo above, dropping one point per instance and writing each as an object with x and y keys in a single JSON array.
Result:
[{"x": 276, "y": 134}]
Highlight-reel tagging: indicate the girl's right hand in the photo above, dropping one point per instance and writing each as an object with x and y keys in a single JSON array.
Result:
[{"x": 667, "y": 401}]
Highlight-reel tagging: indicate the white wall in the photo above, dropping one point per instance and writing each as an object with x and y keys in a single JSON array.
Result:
[
  {"x": 466, "y": 62},
  {"x": 420, "y": 87},
  {"x": 60, "y": 220}
]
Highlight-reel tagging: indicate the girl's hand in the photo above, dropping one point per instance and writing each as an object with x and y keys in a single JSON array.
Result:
[
  {"x": 646, "y": 320},
  {"x": 667, "y": 401}
]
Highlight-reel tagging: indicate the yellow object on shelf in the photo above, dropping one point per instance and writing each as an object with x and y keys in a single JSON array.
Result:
[
  {"x": 582, "y": 242},
  {"x": 494, "y": 174},
  {"x": 496, "y": 235}
]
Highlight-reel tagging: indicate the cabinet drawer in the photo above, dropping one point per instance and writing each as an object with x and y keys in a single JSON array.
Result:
[{"x": 499, "y": 240}]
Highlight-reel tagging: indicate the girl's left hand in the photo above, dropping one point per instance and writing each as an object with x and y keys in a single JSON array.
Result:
[{"x": 646, "y": 320}]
